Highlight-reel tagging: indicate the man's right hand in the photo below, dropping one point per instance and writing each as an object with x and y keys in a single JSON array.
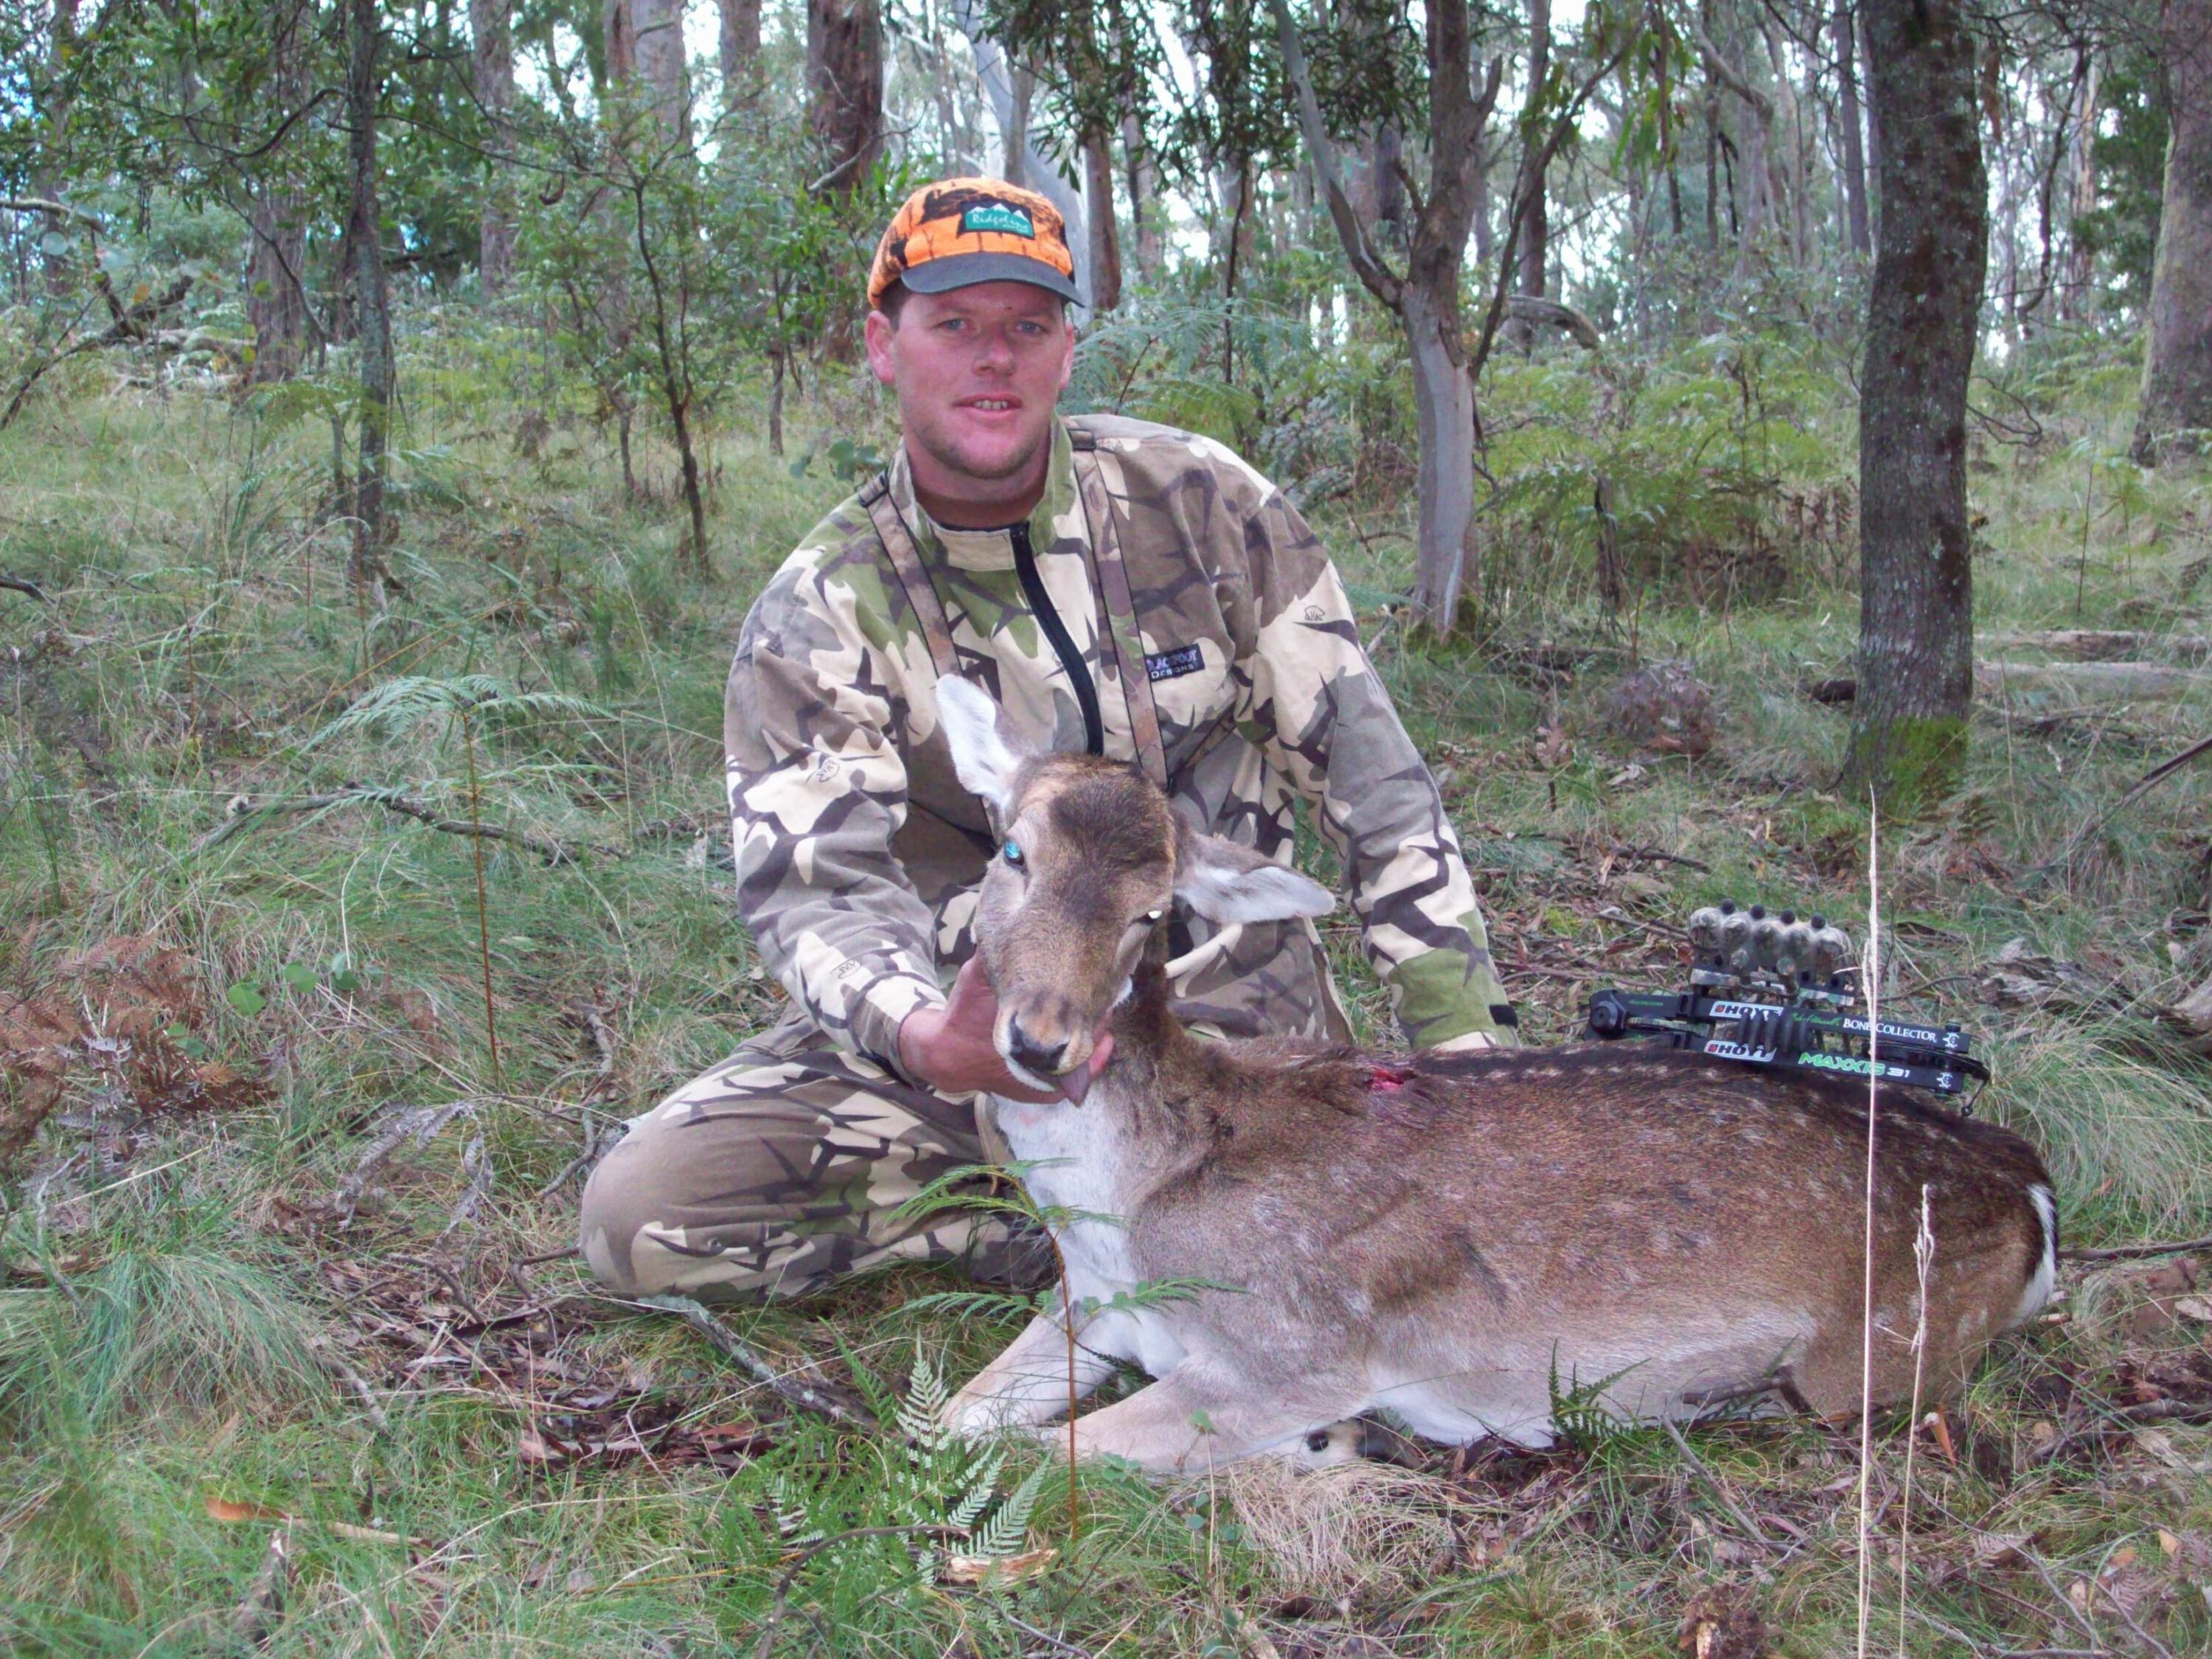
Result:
[{"x": 951, "y": 1048}]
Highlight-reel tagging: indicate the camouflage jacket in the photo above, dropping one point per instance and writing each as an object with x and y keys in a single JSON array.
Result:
[{"x": 859, "y": 853}]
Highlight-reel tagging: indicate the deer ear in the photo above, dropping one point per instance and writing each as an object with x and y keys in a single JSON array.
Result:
[
  {"x": 985, "y": 754},
  {"x": 1225, "y": 881}
]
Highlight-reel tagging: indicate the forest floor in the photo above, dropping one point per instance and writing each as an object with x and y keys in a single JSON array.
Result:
[{"x": 290, "y": 1352}]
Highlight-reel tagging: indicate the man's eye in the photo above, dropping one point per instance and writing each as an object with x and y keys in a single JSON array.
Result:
[{"x": 1011, "y": 853}]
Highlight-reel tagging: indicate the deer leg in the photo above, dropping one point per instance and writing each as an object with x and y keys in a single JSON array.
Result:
[
  {"x": 1192, "y": 1419},
  {"x": 1028, "y": 1384}
]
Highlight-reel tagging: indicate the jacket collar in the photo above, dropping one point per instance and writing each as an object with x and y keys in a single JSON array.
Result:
[{"x": 990, "y": 549}]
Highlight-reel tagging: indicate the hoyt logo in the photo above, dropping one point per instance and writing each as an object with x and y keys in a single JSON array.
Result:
[{"x": 999, "y": 217}]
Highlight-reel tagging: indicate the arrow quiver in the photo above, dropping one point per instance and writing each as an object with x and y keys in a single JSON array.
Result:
[{"x": 1783, "y": 991}]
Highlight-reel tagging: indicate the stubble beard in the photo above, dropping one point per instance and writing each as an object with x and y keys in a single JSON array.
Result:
[{"x": 948, "y": 453}]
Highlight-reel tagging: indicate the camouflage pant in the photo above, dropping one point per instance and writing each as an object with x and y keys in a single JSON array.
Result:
[{"x": 782, "y": 1169}]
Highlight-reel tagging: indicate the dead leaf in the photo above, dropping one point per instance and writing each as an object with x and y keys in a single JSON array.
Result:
[
  {"x": 223, "y": 1510},
  {"x": 997, "y": 1570},
  {"x": 2002, "y": 1549},
  {"x": 1722, "y": 1623},
  {"x": 2195, "y": 1307}
]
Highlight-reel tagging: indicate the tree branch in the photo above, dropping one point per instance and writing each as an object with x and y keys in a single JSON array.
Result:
[
  {"x": 246, "y": 811},
  {"x": 1366, "y": 264},
  {"x": 1726, "y": 73}
]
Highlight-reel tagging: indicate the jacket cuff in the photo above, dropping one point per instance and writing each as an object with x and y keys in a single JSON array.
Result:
[{"x": 877, "y": 1011}]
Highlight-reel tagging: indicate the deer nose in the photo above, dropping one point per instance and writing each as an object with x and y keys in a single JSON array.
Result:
[{"x": 1040, "y": 1059}]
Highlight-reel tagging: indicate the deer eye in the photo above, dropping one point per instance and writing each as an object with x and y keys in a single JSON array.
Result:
[
  {"x": 1151, "y": 918},
  {"x": 1012, "y": 851}
]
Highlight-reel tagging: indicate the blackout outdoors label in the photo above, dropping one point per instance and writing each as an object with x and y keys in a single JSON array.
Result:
[
  {"x": 999, "y": 217},
  {"x": 1174, "y": 665}
]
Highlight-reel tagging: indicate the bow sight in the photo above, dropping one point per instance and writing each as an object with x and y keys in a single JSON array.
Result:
[{"x": 1776, "y": 990}]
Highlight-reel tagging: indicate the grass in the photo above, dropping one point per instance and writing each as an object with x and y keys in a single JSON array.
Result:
[{"x": 187, "y": 1316}]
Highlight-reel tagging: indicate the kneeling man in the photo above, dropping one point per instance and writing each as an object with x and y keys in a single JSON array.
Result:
[{"x": 1117, "y": 587}]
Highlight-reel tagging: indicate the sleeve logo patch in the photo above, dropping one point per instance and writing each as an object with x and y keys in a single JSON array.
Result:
[
  {"x": 1174, "y": 665},
  {"x": 999, "y": 217}
]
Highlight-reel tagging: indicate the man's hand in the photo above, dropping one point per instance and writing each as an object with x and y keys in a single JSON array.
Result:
[{"x": 950, "y": 1048}]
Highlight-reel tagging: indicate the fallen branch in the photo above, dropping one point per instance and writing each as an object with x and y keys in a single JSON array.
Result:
[
  {"x": 2102, "y": 644},
  {"x": 479, "y": 1187},
  {"x": 805, "y": 1396},
  {"x": 1654, "y": 855},
  {"x": 24, "y": 584},
  {"x": 420, "y": 1122},
  {"x": 1728, "y": 1499},
  {"x": 244, "y": 811},
  {"x": 1527, "y": 308},
  {"x": 2111, "y": 680},
  {"x": 352, "y": 1379},
  {"x": 258, "y": 1616},
  {"x": 2136, "y": 1252}
]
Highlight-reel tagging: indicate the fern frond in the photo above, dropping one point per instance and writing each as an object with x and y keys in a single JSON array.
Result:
[{"x": 1008, "y": 1528}]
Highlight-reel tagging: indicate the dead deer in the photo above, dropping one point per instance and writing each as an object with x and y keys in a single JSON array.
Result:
[{"x": 1455, "y": 1242}]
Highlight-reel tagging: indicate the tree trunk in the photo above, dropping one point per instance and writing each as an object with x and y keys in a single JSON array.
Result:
[
  {"x": 46, "y": 184},
  {"x": 845, "y": 87},
  {"x": 2077, "y": 299},
  {"x": 2176, "y": 417},
  {"x": 1855, "y": 173},
  {"x": 1535, "y": 220},
  {"x": 372, "y": 305},
  {"x": 492, "y": 65},
  {"x": 275, "y": 299},
  {"x": 1020, "y": 161},
  {"x": 1444, "y": 401},
  {"x": 645, "y": 45},
  {"x": 740, "y": 51},
  {"x": 1916, "y": 674},
  {"x": 1143, "y": 190},
  {"x": 1105, "y": 241}
]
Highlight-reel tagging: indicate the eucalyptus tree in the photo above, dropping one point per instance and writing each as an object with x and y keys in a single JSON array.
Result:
[
  {"x": 1916, "y": 655},
  {"x": 2176, "y": 415}
]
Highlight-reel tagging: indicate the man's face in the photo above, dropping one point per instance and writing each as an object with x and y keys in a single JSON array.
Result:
[{"x": 977, "y": 372}]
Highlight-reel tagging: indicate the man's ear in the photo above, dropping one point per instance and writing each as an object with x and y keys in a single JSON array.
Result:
[
  {"x": 986, "y": 752},
  {"x": 1225, "y": 881}
]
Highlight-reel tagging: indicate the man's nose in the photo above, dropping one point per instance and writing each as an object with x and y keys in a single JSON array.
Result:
[
  {"x": 995, "y": 352},
  {"x": 1039, "y": 1059}
]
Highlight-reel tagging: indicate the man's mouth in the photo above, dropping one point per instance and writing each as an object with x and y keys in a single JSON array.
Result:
[{"x": 991, "y": 405}]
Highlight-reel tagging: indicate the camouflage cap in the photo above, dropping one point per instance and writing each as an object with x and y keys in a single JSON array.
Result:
[{"x": 961, "y": 231}]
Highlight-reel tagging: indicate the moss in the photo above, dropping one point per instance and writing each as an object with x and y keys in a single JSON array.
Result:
[{"x": 1913, "y": 763}]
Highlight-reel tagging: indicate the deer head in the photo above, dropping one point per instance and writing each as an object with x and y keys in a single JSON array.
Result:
[{"x": 1090, "y": 857}]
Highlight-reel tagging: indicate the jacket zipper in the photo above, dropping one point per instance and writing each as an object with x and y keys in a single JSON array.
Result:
[{"x": 1087, "y": 694}]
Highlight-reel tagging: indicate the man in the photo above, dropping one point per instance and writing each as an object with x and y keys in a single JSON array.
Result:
[{"x": 1116, "y": 586}]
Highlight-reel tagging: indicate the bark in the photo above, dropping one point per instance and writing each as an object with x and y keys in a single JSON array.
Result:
[
  {"x": 60, "y": 268},
  {"x": 1536, "y": 224},
  {"x": 1854, "y": 172},
  {"x": 1144, "y": 192},
  {"x": 2077, "y": 298},
  {"x": 645, "y": 47},
  {"x": 845, "y": 87},
  {"x": 371, "y": 306},
  {"x": 2176, "y": 417},
  {"x": 1020, "y": 163},
  {"x": 492, "y": 67},
  {"x": 740, "y": 51},
  {"x": 1105, "y": 240},
  {"x": 1916, "y": 670},
  {"x": 276, "y": 297}
]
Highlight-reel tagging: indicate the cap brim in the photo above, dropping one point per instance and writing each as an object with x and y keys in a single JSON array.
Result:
[{"x": 948, "y": 271}]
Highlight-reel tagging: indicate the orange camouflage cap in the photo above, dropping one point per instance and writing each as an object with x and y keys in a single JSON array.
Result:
[{"x": 961, "y": 231}]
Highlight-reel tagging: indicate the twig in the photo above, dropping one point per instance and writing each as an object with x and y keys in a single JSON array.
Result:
[
  {"x": 545, "y": 1257},
  {"x": 1923, "y": 1258},
  {"x": 257, "y": 1615},
  {"x": 1728, "y": 1501},
  {"x": 804, "y": 1395},
  {"x": 420, "y": 1122},
  {"x": 1046, "y": 1636},
  {"x": 354, "y": 1380},
  {"x": 245, "y": 810},
  {"x": 2136, "y": 1252},
  {"x": 782, "y": 1603},
  {"x": 24, "y": 584},
  {"x": 479, "y": 1187},
  {"x": 1653, "y": 856}
]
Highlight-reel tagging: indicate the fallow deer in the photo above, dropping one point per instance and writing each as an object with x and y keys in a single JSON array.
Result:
[{"x": 1451, "y": 1241}]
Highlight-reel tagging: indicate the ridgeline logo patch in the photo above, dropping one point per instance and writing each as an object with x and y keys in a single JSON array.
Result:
[{"x": 999, "y": 217}]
